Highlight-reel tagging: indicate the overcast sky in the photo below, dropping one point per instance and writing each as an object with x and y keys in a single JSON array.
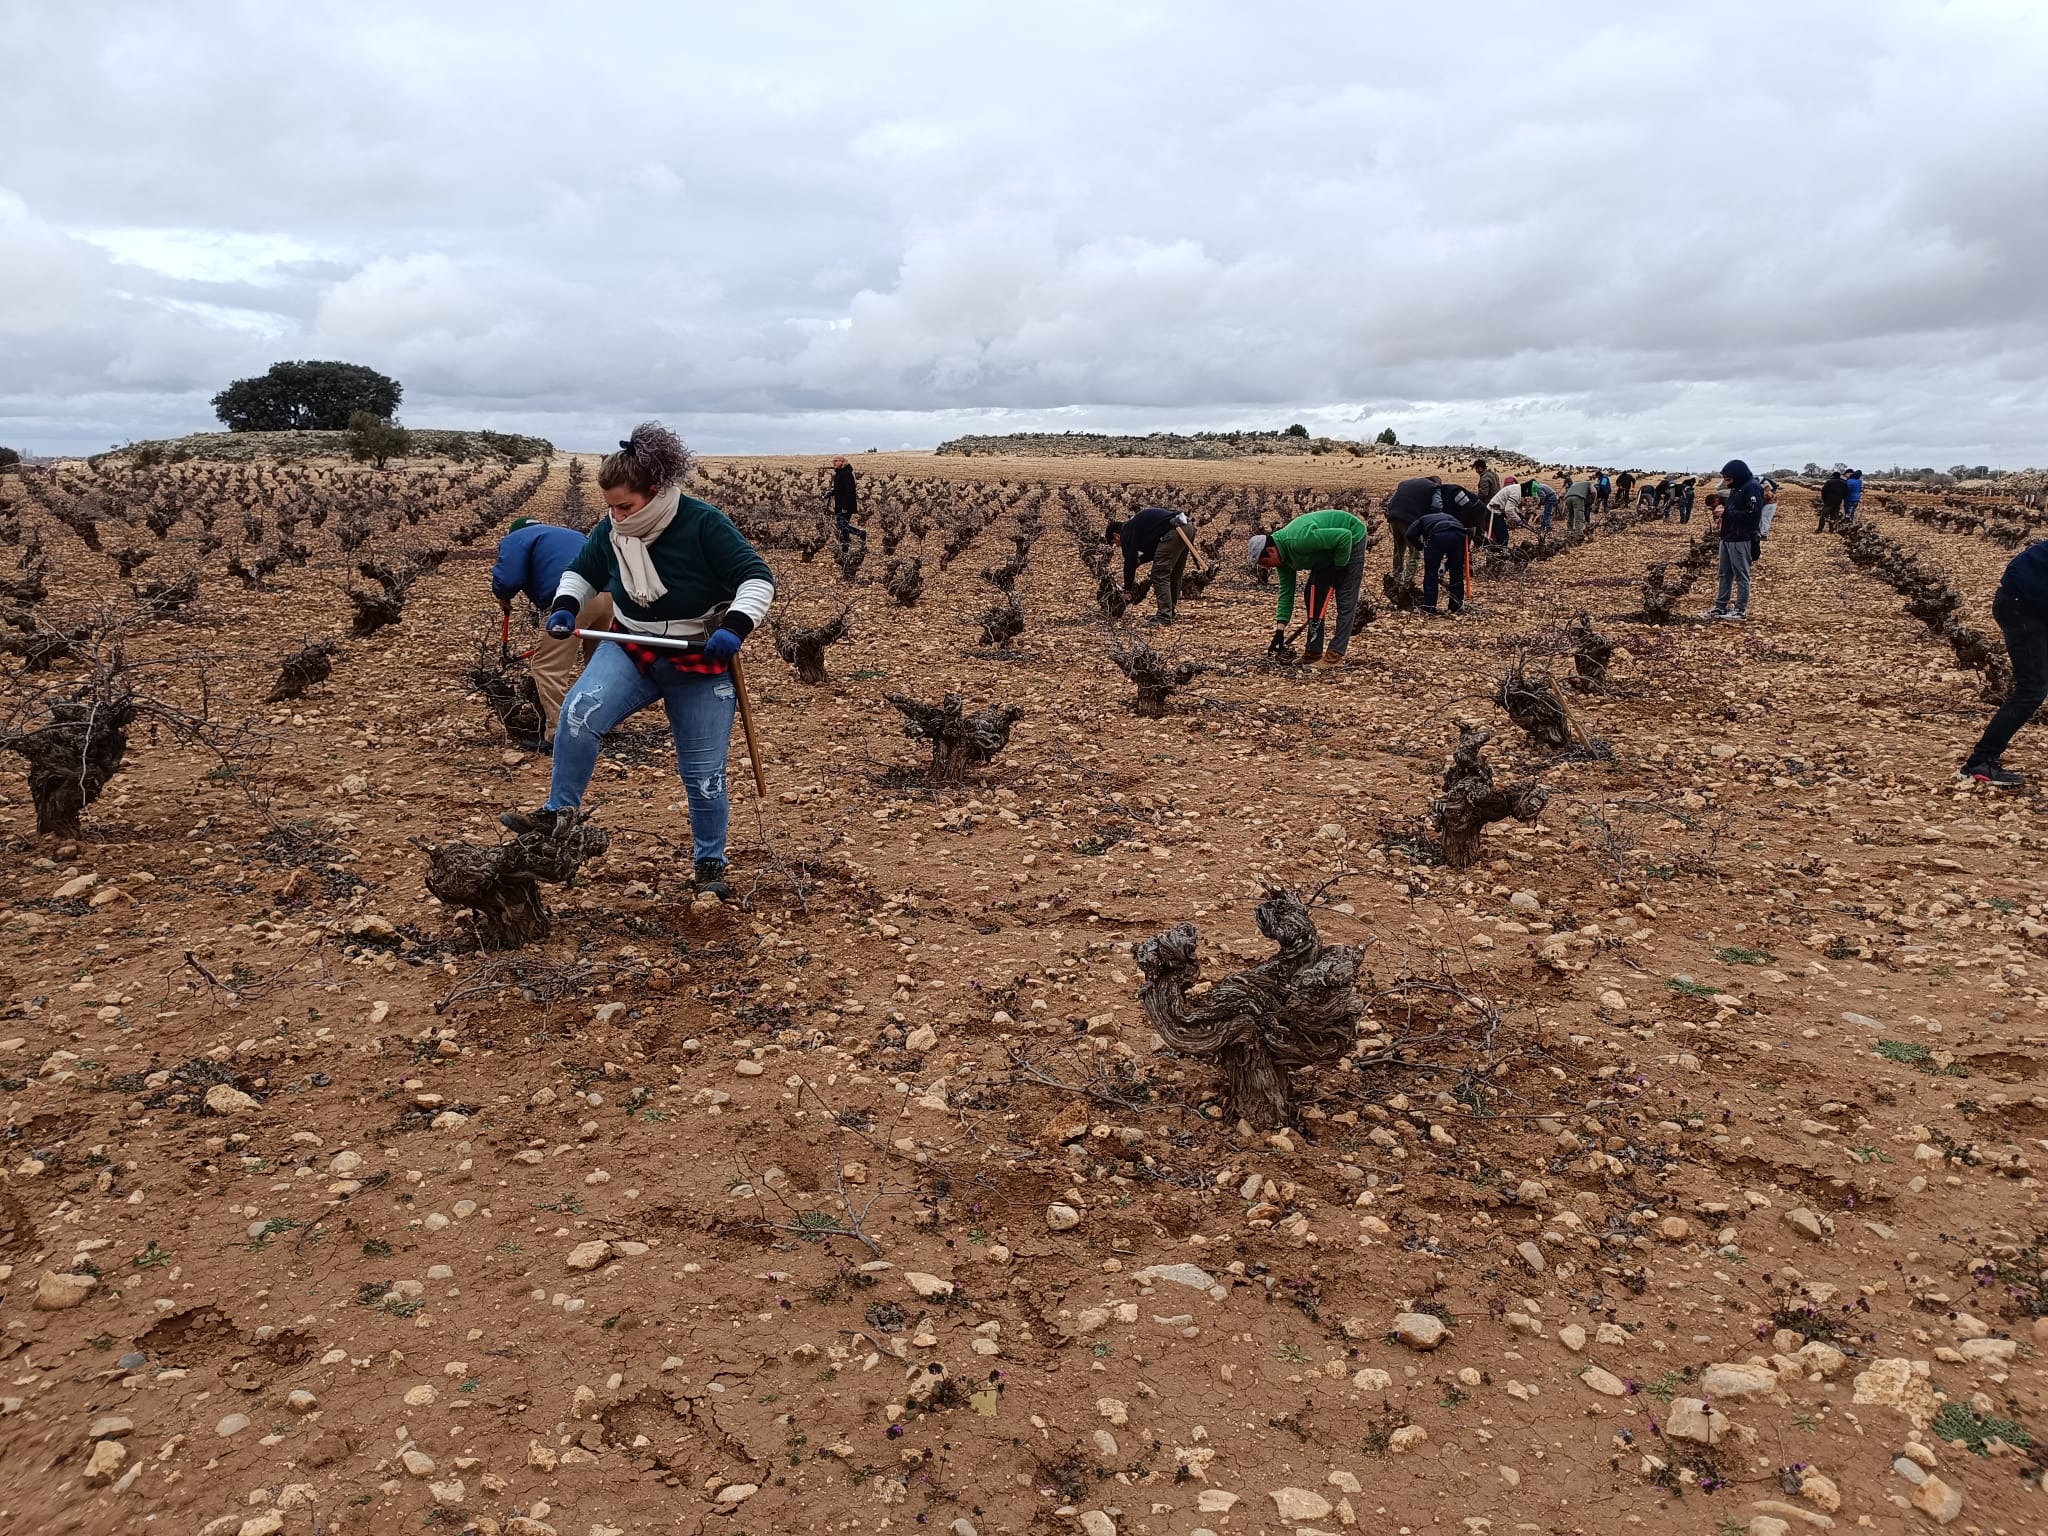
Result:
[{"x": 1619, "y": 232}]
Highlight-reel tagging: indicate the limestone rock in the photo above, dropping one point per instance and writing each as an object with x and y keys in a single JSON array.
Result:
[
  {"x": 1095, "y": 1523},
  {"x": 1300, "y": 1504},
  {"x": 1419, "y": 1330},
  {"x": 1805, "y": 1222},
  {"x": 1606, "y": 1383},
  {"x": 1939, "y": 1502},
  {"x": 106, "y": 1461},
  {"x": 737, "y": 1493},
  {"x": 1819, "y": 1490},
  {"x": 588, "y": 1255},
  {"x": 927, "y": 1286},
  {"x": 1737, "y": 1381},
  {"x": 1691, "y": 1419},
  {"x": 60, "y": 1293},
  {"x": 226, "y": 1099},
  {"x": 1900, "y": 1384},
  {"x": 1063, "y": 1218},
  {"x": 1406, "y": 1439}
]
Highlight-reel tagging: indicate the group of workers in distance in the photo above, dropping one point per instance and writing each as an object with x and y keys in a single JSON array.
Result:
[{"x": 657, "y": 601}]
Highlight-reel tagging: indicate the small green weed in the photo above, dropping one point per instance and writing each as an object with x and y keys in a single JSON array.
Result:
[{"x": 1959, "y": 1421}]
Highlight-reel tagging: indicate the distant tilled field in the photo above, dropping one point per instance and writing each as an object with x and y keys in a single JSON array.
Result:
[{"x": 1678, "y": 1167}]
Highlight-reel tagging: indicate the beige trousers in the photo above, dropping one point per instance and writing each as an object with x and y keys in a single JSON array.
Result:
[{"x": 556, "y": 664}]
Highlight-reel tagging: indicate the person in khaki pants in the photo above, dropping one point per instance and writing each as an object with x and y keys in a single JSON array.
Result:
[{"x": 531, "y": 559}]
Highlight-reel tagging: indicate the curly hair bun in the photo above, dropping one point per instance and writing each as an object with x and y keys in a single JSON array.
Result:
[{"x": 652, "y": 459}]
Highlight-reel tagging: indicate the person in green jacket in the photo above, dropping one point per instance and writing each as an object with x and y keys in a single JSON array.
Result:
[
  {"x": 676, "y": 568},
  {"x": 1330, "y": 545}
]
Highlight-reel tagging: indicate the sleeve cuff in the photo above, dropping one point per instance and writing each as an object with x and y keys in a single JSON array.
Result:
[{"x": 737, "y": 622}]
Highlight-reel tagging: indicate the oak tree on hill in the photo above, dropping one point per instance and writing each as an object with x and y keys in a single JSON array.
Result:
[{"x": 306, "y": 397}]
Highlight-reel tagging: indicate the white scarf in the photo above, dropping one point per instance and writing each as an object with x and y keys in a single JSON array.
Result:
[{"x": 630, "y": 537}]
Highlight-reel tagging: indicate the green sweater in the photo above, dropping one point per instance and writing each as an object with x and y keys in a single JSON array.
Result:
[
  {"x": 703, "y": 560},
  {"x": 1315, "y": 541}
]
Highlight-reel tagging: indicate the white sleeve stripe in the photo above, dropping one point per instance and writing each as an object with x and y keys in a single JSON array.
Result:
[
  {"x": 572, "y": 585},
  {"x": 753, "y": 599}
]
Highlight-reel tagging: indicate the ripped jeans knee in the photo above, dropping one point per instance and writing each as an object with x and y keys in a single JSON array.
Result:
[{"x": 579, "y": 707}]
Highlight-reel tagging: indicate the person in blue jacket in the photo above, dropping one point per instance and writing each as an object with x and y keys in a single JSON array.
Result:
[
  {"x": 1855, "y": 492},
  {"x": 531, "y": 559},
  {"x": 2021, "y": 608},
  {"x": 1742, "y": 513}
]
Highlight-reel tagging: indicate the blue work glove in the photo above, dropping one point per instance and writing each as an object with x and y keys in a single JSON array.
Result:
[
  {"x": 723, "y": 645},
  {"x": 562, "y": 619}
]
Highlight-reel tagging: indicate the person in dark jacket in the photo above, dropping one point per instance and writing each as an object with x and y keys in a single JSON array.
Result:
[
  {"x": 1742, "y": 512},
  {"x": 1624, "y": 487},
  {"x": 2021, "y": 608},
  {"x": 1687, "y": 488},
  {"x": 1441, "y": 538},
  {"x": 1409, "y": 500},
  {"x": 676, "y": 569},
  {"x": 1834, "y": 495},
  {"x": 531, "y": 559},
  {"x": 845, "y": 502},
  {"x": 1156, "y": 536}
]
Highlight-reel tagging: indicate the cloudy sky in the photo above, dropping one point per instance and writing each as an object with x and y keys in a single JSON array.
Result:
[{"x": 1616, "y": 231}]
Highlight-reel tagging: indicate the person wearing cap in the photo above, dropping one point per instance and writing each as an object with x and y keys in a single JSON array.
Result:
[
  {"x": 1544, "y": 497},
  {"x": 1156, "y": 536},
  {"x": 844, "y": 500},
  {"x": 531, "y": 559},
  {"x": 1330, "y": 545}
]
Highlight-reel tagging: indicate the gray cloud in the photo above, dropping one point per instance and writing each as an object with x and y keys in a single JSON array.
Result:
[{"x": 1629, "y": 233}]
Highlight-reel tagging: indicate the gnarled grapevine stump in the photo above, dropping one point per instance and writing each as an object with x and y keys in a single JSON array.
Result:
[
  {"x": 308, "y": 665},
  {"x": 1298, "y": 1009},
  {"x": 1471, "y": 802},
  {"x": 1001, "y": 625},
  {"x": 1591, "y": 650},
  {"x": 1155, "y": 676},
  {"x": 804, "y": 649},
  {"x": 73, "y": 754},
  {"x": 1533, "y": 702},
  {"x": 501, "y": 883},
  {"x": 904, "y": 580},
  {"x": 511, "y": 693},
  {"x": 959, "y": 741}
]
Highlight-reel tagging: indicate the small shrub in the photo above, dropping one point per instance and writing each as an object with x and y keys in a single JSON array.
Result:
[{"x": 376, "y": 438}]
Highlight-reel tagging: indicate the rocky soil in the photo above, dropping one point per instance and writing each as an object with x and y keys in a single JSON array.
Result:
[{"x": 1679, "y": 1176}]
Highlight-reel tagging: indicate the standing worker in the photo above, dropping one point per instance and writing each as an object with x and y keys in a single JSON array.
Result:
[
  {"x": 1603, "y": 489},
  {"x": 676, "y": 569},
  {"x": 1742, "y": 511},
  {"x": 1330, "y": 545},
  {"x": 845, "y": 499},
  {"x": 1855, "y": 496},
  {"x": 531, "y": 559},
  {"x": 1624, "y": 487},
  {"x": 1158, "y": 536},
  {"x": 1834, "y": 495},
  {"x": 2021, "y": 609},
  {"x": 1489, "y": 482}
]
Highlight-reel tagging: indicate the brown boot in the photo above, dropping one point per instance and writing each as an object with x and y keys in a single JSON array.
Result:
[{"x": 1329, "y": 661}]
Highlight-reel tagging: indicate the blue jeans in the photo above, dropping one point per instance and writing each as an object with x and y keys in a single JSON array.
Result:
[{"x": 700, "y": 710}]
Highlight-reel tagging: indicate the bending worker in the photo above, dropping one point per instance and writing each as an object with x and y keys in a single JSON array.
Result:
[
  {"x": 677, "y": 569},
  {"x": 1330, "y": 545},
  {"x": 531, "y": 559},
  {"x": 1157, "y": 536}
]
